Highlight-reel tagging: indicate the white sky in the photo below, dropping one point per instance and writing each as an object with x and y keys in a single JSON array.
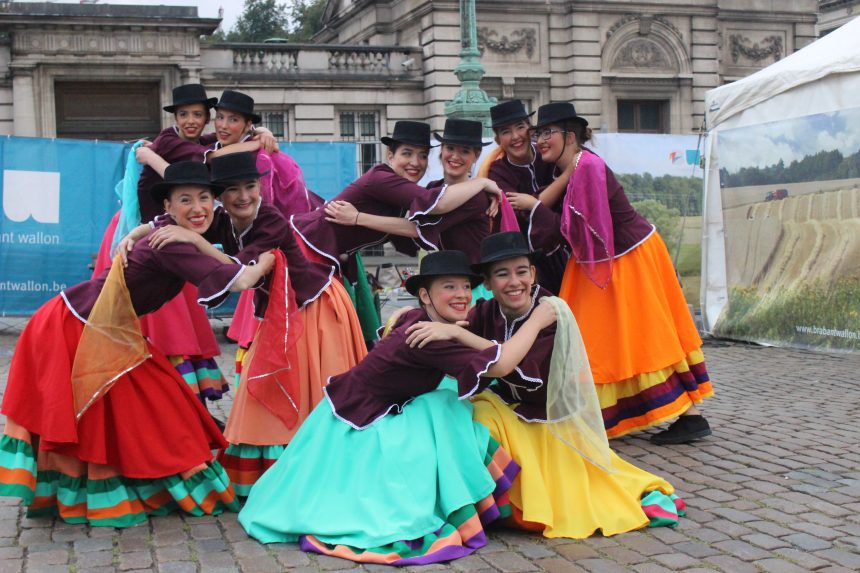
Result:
[{"x": 205, "y": 8}]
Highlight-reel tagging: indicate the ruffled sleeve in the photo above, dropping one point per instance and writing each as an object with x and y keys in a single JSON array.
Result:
[{"x": 462, "y": 363}]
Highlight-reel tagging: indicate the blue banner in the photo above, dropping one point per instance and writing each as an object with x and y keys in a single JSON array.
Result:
[{"x": 58, "y": 196}]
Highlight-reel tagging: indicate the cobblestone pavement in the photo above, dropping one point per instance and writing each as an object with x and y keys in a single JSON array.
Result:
[{"x": 775, "y": 489}]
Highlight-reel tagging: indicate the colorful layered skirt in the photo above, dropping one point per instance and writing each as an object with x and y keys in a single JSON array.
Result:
[
  {"x": 642, "y": 343},
  {"x": 561, "y": 494},
  {"x": 411, "y": 489},
  {"x": 142, "y": 449},
  {"x": 331, "y": 343},
  {"x": 181, "y": 330}
]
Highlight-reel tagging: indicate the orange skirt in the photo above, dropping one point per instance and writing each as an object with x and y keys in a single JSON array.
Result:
[
  {"x": 331, "y": 343},
  {"x": 642, "y": 343}
]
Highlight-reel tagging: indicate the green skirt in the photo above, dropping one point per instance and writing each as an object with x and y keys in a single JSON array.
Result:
[{"x": 412, "y": 488}]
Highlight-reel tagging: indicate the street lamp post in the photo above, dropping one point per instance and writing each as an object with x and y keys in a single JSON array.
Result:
[{"x": 471, "y": 102}]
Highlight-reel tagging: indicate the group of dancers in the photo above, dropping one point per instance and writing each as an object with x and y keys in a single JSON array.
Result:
[{"x": 549, "y": 319}]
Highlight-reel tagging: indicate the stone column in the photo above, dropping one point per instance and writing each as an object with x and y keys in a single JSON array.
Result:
[
  {"x": 471, "y": 102},
  {"x": 23, "y": 101}
]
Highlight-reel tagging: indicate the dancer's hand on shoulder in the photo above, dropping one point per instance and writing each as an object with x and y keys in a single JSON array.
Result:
[
  {"x": 341, "y": 213},
  {"x": 544, "y": 315},
  {"x": 172, "y": 234},
  {"x": 422, "y": 333}
]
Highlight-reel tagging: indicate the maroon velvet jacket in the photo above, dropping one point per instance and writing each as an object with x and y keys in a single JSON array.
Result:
[
  {"x": 155, "y": 276},
  {"x": 393, "y": 374},
  {"x": 462, "y": 229},
  {"x": 380, "y": 191},
  {"x": 526, "y": 386},
  {"x": 629, "y": 227},
  {"x": 171, "y": 148}
]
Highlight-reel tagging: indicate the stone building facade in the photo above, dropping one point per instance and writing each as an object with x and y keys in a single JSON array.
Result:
[{"x": 101, "y": 70}]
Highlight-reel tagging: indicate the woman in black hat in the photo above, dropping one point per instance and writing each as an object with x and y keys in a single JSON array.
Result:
[
  {"x": 116, "y": 428},
  {"x": 386, "y": 202},
  {"x": 181, "y": 327},
  {"x": 524, "y": 177},
  {"x": 571, "y": 483},
  {"x": 460, "y": 229},
  {"x": 387, "y": 469},
  {"x": 329, "y": 341},
  {"x": 620, "y": 282}
]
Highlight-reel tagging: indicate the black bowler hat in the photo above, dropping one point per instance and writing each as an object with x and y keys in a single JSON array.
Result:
[
  {"x": 234, "y": 168},
  {"x": 558, "y": 112},
  {"x": 188, "y": 94},
  {"x": 462, "y": 132},
  {"x": 502, "y": 246},
  {"x": 237, "y": 101},
  {"x": 439, "y": 264},
  {"x": 409, "y": 133},
  {"x": 183, "y": 173},
  {"x": 508, "y": 112}
]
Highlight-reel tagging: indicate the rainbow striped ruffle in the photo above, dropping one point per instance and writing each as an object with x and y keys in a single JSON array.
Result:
[
  {"x": 203, "y": 376},
  {"x": 100, "y": 497},
  {"x": 652, "y": 398},
  {"x": 461, "y": 535},
  {"x": 240, "y": 357},
  {"x": 663, "y": 510},
  {"x": 245, "y": 464}
]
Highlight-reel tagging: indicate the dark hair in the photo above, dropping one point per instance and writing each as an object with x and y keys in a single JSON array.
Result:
[
  {"x": 476, "y": 150},
  {"x": 527, "y": 121},
  {"x": 582, "y": 133}
]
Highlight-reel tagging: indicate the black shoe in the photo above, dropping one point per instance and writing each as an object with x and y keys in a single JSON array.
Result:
[{"x": 683, "y": 430}]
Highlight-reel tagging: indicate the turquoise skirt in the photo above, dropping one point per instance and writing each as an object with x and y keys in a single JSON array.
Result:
[{"x": 412, "y": 488}]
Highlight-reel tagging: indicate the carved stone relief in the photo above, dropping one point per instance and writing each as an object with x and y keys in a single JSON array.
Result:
[
  {"x": 101, "y": 43},
  {"x": 642, "y": 53},
  {"x": 747, "y": 51},
  {"x": 506, "y": 43}
]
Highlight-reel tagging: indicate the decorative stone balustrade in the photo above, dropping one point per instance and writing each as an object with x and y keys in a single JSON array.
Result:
[{"x": 313, "y": 59}]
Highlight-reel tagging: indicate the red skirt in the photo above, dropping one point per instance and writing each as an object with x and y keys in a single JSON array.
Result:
[{"x": 150, "y": 424}]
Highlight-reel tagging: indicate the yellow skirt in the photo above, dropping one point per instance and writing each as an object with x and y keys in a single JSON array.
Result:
[
  {"x": 642, "y": 343},
  {"x": 557, "y": 491}
]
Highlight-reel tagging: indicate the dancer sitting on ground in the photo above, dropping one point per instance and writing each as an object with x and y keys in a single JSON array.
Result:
[
  {"x": 387, "y": 470},
  {"x": 100, "y": 428},
  {"x": 571, "y": 483}
]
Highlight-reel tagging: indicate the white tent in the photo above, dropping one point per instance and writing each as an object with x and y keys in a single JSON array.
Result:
[{"x": 822, "y": 77}]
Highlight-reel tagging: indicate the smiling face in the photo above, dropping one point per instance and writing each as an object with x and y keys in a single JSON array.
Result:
[
  {"x": 515, "y": 141},
  {"x": 230, "y": 126},
  {"x": 191, "y": 119},
  {"x": 457, "y": 161},
  {"x": 240, "y": 200},
  {"x": 191, "y": 206},
  {"x": 511, "y": 281},
  {"x": 409, "y": 161},
  {"x": 447, "y": 298},
  {"x": 551, "y": 142}
]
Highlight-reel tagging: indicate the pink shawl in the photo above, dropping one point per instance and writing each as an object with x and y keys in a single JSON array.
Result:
[{"x": 586, "y": 221}]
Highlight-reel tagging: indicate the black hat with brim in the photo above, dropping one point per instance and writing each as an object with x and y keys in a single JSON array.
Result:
[
  {"x": 508, "y": 112},
  {"x": 239, "y": 102},
  {"x": 463, "y": 132},
  {"x": 409, "y": 133},
  {"x": 234, "y": 168},
  {"x": 503, "y": 246},
  {"x": 558, "y": 113},
  {"x": 183, "y": 173},
  {"x": 188, "y": 94},
  {"x": 441, "y": 264}
]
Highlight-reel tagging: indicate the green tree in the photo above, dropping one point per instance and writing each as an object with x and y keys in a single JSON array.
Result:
[
  {"x": 260, "y": 20},
  {"x": 664, "y": 218},
  {"x": 306, "y": 17}
]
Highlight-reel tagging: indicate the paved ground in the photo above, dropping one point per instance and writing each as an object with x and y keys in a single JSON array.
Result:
[{"x": 776, "y": 489}]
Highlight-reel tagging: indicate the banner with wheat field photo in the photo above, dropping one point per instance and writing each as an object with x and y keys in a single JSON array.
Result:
[{"x": 791, "y": 210}]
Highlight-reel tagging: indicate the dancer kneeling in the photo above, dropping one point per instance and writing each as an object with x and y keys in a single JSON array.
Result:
[
  {"x": 101, "y": 428},
  {"x": 385, "y": 469},
  {"x": 571, "y": 483}
]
